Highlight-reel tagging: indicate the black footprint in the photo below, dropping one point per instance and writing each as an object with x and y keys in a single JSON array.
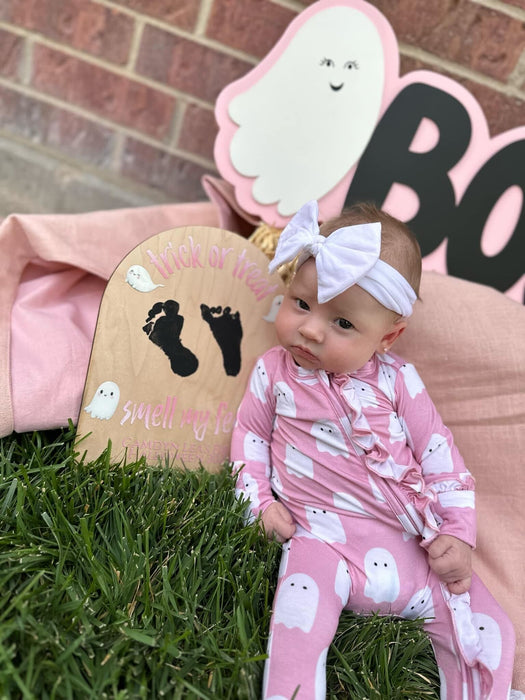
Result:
[
  {"x": 227, "y": 331},
  {"x": 163, "y": 327}
]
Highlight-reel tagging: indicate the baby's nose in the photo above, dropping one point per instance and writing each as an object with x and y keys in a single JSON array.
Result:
[{"x": 312, "y": 329}]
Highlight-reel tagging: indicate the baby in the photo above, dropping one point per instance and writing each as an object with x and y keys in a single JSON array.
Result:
[{"x": 343, "y": 455}]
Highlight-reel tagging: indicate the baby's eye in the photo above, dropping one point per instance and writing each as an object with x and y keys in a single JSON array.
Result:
[
  {"x": 327, "y": 62},
  {"x": 301, "y": 304},
  {"x": 343, "y": 323},
  {"x": 351, "y": 65}
]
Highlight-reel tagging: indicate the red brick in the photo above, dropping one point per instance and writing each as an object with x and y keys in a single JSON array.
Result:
[
  {"x": 481, "y": 39},
  {"x": 46, "y": 124},
  {"x": 501, "y": 111},
  {"x": 186, "y": 65},
  {"x": 11, "y": 49},
  {"x": 253, "y": 26},
  {"x": 105, "y": 93},
  {"x": 179, "y": 13},
  {"x": 179, "y": 178},
  {"x": 198, "y": 132},
  {"x": 82, "y": 24}
]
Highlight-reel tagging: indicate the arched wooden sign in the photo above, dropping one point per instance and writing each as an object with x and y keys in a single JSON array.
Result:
[{"x": 182, "y": 320}]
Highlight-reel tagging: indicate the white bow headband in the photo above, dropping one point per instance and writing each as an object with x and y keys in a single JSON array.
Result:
[{"x": 348, "y": 256}]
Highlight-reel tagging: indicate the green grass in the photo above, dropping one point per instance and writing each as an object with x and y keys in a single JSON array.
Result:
[{"x": 127, "y": 581}]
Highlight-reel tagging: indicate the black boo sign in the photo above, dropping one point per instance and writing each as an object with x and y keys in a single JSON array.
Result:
[{"x": 439, "y": 216}]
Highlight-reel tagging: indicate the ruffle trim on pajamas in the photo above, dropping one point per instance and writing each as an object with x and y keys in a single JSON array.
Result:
[{"x": 403, "y": 486}]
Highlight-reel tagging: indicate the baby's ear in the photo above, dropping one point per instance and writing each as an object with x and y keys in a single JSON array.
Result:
[{"x": 393, "y": 334}]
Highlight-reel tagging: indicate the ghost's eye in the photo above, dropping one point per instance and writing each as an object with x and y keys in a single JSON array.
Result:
[
  {"x": 327, "y": 62},
  {"x": 351, "y": 65}
]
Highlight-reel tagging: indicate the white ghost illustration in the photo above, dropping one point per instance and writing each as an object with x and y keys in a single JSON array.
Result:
[
  {"x": 277, "y": 485},
  {"x": 457, "y": 499},
  {"x": 386, "y": 378},
  {"x": 256, "y": 448},
  {"x": 298, "y": 463},
  {"x": 283, "y": 565},
  {"x": 306, "y": 376},
  {"x": 382, "y": 578},
  {"x": 378, "y": 494},
  {"x": 139, "y": 278},
  {"x": 285, "y": 404},
  {"x": 329, "y": 438},
  {"x": 297, "y": 601},
  {"x": 250, "y": 490},
  {"x": 346, "y": 501},
  {"x": 259, "y": 381},
  {"x": 320, "y": 676},
  {"x": 325, "y": 525},
  {"x": 104, "y": 402},
  {"x": 395, "y": 428},
  {"x": 365, "y": 393},
  {"x": 420, "y": 605},
  {"x": 490, "y": 639},
  {"x": 343, "y": 582},
  {"x": 333, "y": 62},
  {"x": 437, "y": 456},
  {"x": 413, "y": 381},
  {"x": 274, "y": 309}
]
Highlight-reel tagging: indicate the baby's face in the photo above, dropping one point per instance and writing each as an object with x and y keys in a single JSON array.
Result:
[{"x": 339, "y": 336}]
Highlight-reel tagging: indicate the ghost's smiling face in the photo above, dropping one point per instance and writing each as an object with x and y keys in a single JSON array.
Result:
[
  {"x": 336, "y": 74},
  {"x": 105, "y": 401},
  {"x": 139, "y": 278}
]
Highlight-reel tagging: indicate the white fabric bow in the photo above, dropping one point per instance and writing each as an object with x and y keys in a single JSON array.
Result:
[{"x": 348, "y": 256}]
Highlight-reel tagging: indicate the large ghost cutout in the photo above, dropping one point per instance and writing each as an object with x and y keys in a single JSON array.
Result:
[
  {"x": 382, "y": 578},
  {"x": 297, "y": 601},
  {"x": 104, "y": 402},
  {"x": 315, "y": 99}
]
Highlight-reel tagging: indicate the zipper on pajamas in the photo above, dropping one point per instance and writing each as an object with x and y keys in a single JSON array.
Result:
[{"x": 413, "y": 524}]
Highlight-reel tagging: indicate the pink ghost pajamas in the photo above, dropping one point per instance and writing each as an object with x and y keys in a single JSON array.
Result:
[{"x": 371, "y": 475}]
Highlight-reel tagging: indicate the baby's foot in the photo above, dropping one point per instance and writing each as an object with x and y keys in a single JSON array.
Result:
[
  {"x": 227, "y": 331},
  {"x": 163, "y": 327}
]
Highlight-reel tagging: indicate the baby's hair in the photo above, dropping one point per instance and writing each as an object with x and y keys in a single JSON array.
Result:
[{"x": 399, "y": 246}]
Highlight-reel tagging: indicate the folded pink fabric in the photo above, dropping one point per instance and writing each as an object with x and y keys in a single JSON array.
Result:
[{"x": 54, "y": 269}]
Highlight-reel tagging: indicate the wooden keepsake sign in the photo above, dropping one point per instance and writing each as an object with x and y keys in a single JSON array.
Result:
[{"x": 181, "y": 323}]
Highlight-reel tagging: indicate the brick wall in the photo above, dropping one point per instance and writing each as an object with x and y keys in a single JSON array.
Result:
[{"x": 123, "y": 90}]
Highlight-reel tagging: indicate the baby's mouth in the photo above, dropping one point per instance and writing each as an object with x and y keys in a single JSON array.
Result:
[{"x": 335, "y": 88}]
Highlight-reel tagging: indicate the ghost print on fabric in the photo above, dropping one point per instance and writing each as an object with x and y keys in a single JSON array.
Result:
[
  {"x": 259, "y": 381},
  {"x": 420, "y": 605},
  {"x": 437, "y": 456},
  {"x": 413, "y": 381},
  {"x": 325, "y": 525},
  {"x": 343, "y": 582},
  {"x": 382, "y": 578},
  {"x": 329, "y": 438},
  {"x": 285, "y": 401},
  {"x": 256, "y": 448},
  {"x": 297, "y": 602},
  {"x": 297, "y": 463}
]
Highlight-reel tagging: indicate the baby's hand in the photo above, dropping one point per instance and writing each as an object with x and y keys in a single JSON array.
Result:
[
  {"x": 451, "y": 559},
  {"x": 277, "y": 522}
]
